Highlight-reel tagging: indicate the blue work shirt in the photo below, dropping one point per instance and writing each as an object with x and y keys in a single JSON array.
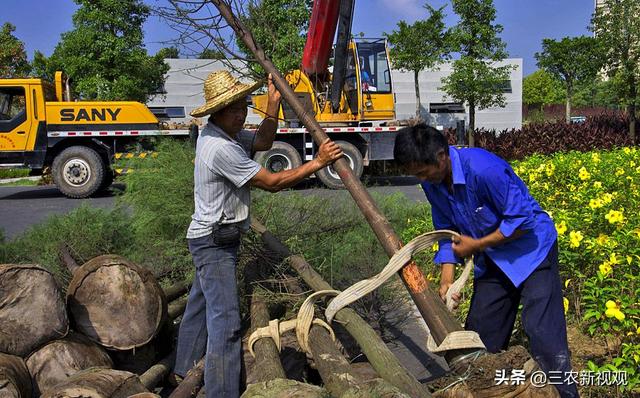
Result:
[{"x": 487, "y": 195}]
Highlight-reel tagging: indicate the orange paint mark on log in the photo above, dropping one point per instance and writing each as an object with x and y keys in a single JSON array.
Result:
[{"x": 414, "y": 278}]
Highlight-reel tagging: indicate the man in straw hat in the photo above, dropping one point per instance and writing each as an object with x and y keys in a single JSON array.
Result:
[{"x": 224, "y": 173}]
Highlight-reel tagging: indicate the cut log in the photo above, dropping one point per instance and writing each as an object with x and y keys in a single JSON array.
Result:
[
  {"x": 32, "y": 309},
  {"x": 60, "y": 359},
  {"x": 267, "y": 364},
  {"x": 98, "y": 383},
  {"x": 281, "y": 388},
  {"x": 15, "y": 381},
  {"x": 152, "y": 377},
  {"x": 116, "y": 303},
  {"x": 176, "y": 290},
  {"x": 192, "y": 382},
  {"x": 376, "y": 351},
  {"x": 177, "y": 308}
]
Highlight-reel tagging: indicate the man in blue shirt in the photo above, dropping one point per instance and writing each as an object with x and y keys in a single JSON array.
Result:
[{"x": 513, "y": 241}]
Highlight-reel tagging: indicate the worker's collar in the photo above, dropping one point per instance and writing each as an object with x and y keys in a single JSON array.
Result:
[{"x": 457, "y": 175}]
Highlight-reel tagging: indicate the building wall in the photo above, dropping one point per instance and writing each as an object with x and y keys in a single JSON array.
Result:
[
  {"x": 430, "y": 92},
  {"x": 184, "y": 87}
]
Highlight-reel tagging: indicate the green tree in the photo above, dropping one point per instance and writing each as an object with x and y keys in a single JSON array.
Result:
[
  {"x": 104, "y": 54},
  {"x": 573, "y": 60},
  {"x": 168, "y": 52},
  {"x": 13, "y": 58},
  {"x": 475, "y": 79},
  {"x": 210, "y": 53},
  {"x": 617, "y": 27},
  {"x": 425, "y": 44},
  {"x": 541, "y": 88},
  {"x": 279, "y": 27}
]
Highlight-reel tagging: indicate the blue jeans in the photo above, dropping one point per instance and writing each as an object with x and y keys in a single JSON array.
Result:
[
  {"x": 211, "y": 320},
  {"x": 494, "y": 306}
]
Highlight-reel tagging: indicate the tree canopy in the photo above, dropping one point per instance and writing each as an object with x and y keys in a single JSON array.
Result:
[
  {"x": 541, "y": 88},
  {"x": 280, "y": 28},
  {"x": 13, "y": 57},
  {"x": 422, "y": 45},
  {"x": 572, "y": 60},
  {"x": 475, "y": 79},
  {"x": 104, "y": 54},
  {"x": 617, "y": 26}
]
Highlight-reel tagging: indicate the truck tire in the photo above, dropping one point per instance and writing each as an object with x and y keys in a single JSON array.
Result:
[
  {"x": 330, "y": 177},
  {"x": 78, "y": 171},
  {"x": 281, "y": 156},
  {"x": 109, "y": 176}
]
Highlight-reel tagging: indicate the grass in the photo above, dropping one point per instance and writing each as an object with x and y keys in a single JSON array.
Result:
[{"x": 13, "y": 173}]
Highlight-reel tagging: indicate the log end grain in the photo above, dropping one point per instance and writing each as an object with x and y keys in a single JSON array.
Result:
[{"x": 15, "y": 381}]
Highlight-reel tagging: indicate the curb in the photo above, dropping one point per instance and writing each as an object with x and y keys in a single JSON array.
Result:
[{"x": 8, "y": 180}]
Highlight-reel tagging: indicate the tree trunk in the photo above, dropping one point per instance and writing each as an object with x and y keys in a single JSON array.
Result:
[
  {"x": 98, "y": 383},
  {"x": 568, "y": 105},
  {"x": 472, "y": 123},
  {"x": 267, "y": 364},
  {"x": 191, "y": 383},
  {"x": 56, "y": 361},
  {"x": 631, "y": 110},
  {"x": 284, "y": 388},
  {"x": 176, "y": 308},
  {"x": 173, "y": 292},
  {"x": 15, "y": 381},
  {"x": 157, "y": 372},
  {"x": 32, "y": 310},
  {"x": 377, "y": 352},
  {"x": 417, "y": 86},
  {"x": 439, "y": 320},
  {"x": 116, "y": 303}
]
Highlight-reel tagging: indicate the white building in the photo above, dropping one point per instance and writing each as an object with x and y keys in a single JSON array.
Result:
[{"x": 184, "y": 92}]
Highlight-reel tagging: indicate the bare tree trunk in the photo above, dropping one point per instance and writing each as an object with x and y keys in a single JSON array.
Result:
[
  {"x": 192, "y": 382},
  {"x": 631, "y": 109},
  {"x": 417, "y": 86},
  {"x": 267, "y": 365},
  {"x": 377, "y": 352},
  {"x": 568, "y": 105},
  {"x": 157, "y": 372},
  {"x": 440, "y": 321},
  {"x": 472, "y": 123}
]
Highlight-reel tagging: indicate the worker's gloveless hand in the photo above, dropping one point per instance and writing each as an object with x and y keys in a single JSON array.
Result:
[
  {"x": 464, "y": 246},
  {"x": 273, "y": 94},
  {"x": 444, "y": 286},
  {"x": 329, "y": 152}
]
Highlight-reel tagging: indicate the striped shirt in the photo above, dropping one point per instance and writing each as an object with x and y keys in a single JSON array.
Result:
[{"x": 223, "y": 166}]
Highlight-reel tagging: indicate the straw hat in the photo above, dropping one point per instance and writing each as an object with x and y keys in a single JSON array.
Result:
[{"x": 222, "y": 89}]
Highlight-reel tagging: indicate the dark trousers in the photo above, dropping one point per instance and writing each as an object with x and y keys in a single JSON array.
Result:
[
  {"x": 211, "y": 321},
  {"x": 494, "y": 307}
]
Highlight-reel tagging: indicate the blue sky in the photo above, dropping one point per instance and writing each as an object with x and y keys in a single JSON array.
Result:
[{"x": 39, "y": 23}]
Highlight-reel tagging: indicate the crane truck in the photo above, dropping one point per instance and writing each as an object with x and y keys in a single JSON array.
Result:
[
  {"x": 40, "y": 127},
  {"x": 353, "y": 102}
]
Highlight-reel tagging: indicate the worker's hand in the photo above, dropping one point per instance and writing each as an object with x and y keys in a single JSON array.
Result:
[
  {"x": 273, "y": 94},
  {"x": 329, "y": 152},
  {"x": 464, "y": 246},
  {"x": 444, "y": 287}
]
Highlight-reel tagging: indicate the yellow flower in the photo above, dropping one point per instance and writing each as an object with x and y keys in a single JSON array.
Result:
[
  {"x": 614, "y": 216},
  {"x": 607, "y": 198},
  {"x": 435, "y": 247},
  {"x": 561, "y": 228},
  {"x": 638, "y": 330},
  {"x": 605, "y": 268},
  {"x": 637, "y": 232},
  {"x": 583, "y": 174},
  {"x": 533, "y": 177},
  {"x": 626, "y": 150},
  {"x": 632, "y": 163},
  {"x": 597, "y": 184},
  {"x": 566, "y": 283},
  {"x": 575, "y": 238},
  {"x": 629, "y": 260},
  {"x": 619, "y": 171},
  {"x": 613, "y": 259},
  {"x": 595, "y": 157},
  {"x": 595, "y": 203},
  {"x": 602, "y": 239},
  {"x": 550, "y": 169},
  {"x": 565, "y": 301},
  {"x": 613, "y": 310}
]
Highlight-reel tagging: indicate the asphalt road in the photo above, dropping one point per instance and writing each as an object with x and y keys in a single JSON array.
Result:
[{"x": 21, "y": 207}]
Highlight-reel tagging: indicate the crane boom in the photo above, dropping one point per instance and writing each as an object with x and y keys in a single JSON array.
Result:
[{"x": 322, "y": 29}]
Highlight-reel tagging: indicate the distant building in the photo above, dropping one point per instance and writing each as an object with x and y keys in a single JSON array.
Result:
[{"x": 182, "y": 92}]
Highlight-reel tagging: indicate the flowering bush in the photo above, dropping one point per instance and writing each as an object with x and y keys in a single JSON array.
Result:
[{"x": 595, "y": 202}]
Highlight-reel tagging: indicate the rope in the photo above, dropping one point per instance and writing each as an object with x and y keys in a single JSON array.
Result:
[{"x": 305, "y": 318}]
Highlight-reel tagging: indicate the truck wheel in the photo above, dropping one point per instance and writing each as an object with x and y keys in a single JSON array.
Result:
[
  {"x": 109, "y": 175},
  {"x": 78, "y": 171},
  {"x": 281, "y": 156},
  {"x": 330, "y": 177}
]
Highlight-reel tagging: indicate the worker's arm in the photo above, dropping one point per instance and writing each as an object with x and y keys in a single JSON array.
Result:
[
  {"x": 274, "y": 182},
  {"x": 464, "y": 246},
  {"x": 267, "y": 131}
]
